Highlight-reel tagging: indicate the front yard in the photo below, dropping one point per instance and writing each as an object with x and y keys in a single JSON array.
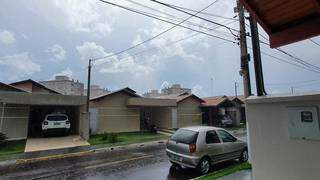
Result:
[
  {"x": 125, "y": 138},
  {"x": 12, "y": 147}
]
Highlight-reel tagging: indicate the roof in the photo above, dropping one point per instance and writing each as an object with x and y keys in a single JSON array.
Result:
[
  {"x": 286, "y": 21},
  {"x": 181, "y": 97},
  {"x": 11, "y": 88},
  {"x": 217, "y": 100},
  {"x": 214, "y": 100},
  {"x": 201, "y": 128},
  {"x": 35, "y": 84},
  {"x": 126, "y": 90}
]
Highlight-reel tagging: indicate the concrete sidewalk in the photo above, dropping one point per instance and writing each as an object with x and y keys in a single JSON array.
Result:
[{"x": 40, "y": 144}]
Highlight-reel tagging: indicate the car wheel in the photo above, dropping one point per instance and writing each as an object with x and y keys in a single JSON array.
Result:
[
  {"x": 244, "y": 156},
  {"x": 204, "y": 165}
]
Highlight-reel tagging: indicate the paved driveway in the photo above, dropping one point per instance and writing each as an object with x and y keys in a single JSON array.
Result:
[{"x": 38, "y": 144}]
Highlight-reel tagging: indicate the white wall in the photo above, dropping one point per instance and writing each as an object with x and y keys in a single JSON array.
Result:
[{"x": 274, "y": 155}]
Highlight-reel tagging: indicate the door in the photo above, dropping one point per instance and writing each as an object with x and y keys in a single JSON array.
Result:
[
  {"x": 93, "y": 120},
  {"x": 231, "y": 147},
  {"x": 174, "y": 118},
  {"x": 214, "y": 146}
]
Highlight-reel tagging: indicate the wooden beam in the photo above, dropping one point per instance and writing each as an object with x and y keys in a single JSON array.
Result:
[
  {"x": 255, "y": 14},
  {"x": 297, "y": 32}
]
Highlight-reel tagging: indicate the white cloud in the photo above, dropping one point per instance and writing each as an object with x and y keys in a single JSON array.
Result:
[
  {"x": 197, "y": 90},
  {"x": 89, "y": 16},
  {"x": 18, "y": 66},
  {"x": 90, "y": 50},
  {"x": 7, "y": 37},
  {"x": 67, "y": 72},
  {"x": 57, "y": 51},
  {"x": 165, "y": 84}
]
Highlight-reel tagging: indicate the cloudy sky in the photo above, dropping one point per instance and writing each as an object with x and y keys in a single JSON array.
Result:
[{"x": 40, "y": 39}]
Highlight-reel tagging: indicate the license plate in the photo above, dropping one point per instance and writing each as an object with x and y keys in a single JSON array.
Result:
[{"x": 56, "y": 123}]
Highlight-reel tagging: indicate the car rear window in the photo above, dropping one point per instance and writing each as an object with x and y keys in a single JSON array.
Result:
[
  {"x": 185, "y": 136},
  {"x": 56, "y": 118}
]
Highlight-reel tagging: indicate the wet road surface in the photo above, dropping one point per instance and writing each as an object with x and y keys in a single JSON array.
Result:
[{"x": 144, "y": 163}]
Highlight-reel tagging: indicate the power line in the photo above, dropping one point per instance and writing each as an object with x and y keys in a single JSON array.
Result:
[
  {"x": 204, "y": 13},
  {"x": 314, "y": 42},
  {"x": 142, "y": 13},
  {"x": 170, "y": 15},
  {"x": 172, "y": 7}
]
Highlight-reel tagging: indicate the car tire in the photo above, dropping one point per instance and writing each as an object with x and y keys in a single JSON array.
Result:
[
  {"x": 244, "y": 156},
  {"x": 204, "y": 165}
]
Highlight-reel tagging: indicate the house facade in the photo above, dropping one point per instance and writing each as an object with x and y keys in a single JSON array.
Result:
[
  {"x": 218, "y": 107},
  {"x": 125, "y": 111}
]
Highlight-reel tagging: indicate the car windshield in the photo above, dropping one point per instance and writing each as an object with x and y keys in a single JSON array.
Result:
[
  {"x": 56, "y": 118},
  {"x": 185, "y": 136}
]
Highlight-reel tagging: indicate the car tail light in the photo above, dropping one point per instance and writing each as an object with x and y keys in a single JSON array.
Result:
[
  {"x": 45, "y": 123},
  {"x": 68, "y": 122},
  {"x": 192, "y": 148}
]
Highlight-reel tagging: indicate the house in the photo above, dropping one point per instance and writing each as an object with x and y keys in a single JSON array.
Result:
[
  {"x": 216, "y": 107},
  {"x": 125, "y": 111},
  {"x": 24, "y": 105}
]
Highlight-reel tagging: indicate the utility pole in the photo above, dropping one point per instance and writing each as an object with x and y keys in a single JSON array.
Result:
[
  {"x": 88, "y": 84},
  {"x": 236, "y": 89},
  {"x": 257, "y": 57},
  {"x": 211, "y": 83},
  {"x": 292, "y": 90},
  {"x": 244, "y": 52}
]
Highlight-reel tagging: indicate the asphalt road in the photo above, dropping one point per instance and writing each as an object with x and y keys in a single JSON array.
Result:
[{"x": 145, "y": 162}]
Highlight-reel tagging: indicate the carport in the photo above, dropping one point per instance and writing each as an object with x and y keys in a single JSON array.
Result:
[
  {"x": 161, "y": 113},
  {"x": 35, "y": 107}
]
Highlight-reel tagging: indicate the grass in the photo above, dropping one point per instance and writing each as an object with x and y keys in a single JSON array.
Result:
[
  {"x": 127, "y": 138},
  {"x": 242, "y": 126},
  {"x": 12, "y": 147},
  {"x": 226, "y": 171}
]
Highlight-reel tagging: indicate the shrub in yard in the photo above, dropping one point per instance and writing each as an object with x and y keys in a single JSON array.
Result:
[
  {"x": 113, "y": 138},
  {"x": 3, "y": 138},
  {"x": 105, "y": 136}
]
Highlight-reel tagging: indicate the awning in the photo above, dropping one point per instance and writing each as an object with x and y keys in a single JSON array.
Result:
[
  {"x": 151, "y": 102},
  {"x": 286, "y": 21}
]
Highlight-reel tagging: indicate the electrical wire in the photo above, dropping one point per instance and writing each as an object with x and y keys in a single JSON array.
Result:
[
  {"x": 213, "y": 22},
  {"x": 314, "y": 42},
  {"x": 150, "y": 39}
]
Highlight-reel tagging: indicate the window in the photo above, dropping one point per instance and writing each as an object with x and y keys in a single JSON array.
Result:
[
  {"x": 185, "y": 136},
  {"x": 306, "y": 116},
  {"x": 57, "y": 118},
  {"x": 212, "y": 137},
  {"x": 226, "y": 137}
]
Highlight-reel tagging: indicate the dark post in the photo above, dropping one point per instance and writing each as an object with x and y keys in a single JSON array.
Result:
[
  {"x": 88, "y": 84},
  {"x": 244, "y": 52},
  {"x": 257, "y": 57}
]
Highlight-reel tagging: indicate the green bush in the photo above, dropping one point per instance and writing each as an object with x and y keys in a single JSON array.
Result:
[
  {"x": 105, "y": 136},
  {"x": 113, "y": 138},
  {"x": 3, "y": 138},
  {"x": 109, "y": 137}
]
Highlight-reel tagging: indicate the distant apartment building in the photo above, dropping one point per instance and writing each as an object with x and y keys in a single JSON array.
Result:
[
  {"x": 65, "y": 86},
  {"x": 96, "y": 90},
  {"x": 175, "y": 89}
]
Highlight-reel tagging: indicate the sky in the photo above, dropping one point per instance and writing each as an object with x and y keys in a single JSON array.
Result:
[{"x": 40, "y": 39}]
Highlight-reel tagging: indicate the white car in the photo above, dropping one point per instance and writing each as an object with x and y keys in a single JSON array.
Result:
[{"x": 56, "y": 123}]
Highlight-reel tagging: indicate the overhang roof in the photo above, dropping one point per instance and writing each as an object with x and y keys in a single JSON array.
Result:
[
  {"x": 181, "y": 97},
  {"x": 151, "y": 102},
  {"x": 7, "y": 87},
  {"x": 126, "y": 90},
  {"x": 286, "y": 21},
  {"x": 34, "y": 83}
]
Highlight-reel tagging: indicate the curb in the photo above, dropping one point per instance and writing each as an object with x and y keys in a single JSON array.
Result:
[{"x": 57, "y": 156}]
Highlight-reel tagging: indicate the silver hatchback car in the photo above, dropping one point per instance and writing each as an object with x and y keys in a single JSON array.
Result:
[{"x": 202, "y": 146}]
